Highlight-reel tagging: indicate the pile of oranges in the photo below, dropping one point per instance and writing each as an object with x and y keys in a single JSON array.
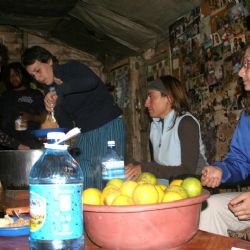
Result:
[{"x": 145, "y": 190}]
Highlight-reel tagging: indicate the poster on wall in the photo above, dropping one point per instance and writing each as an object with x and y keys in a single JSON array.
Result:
[
  {"x": 183, "y": 30},
  {"x": 209, "y": 50},
  {"x": 159, "y": 68}
]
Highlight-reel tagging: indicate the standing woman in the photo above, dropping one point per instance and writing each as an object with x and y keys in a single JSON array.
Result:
[
  {"x": 80, "y": 99},
  {"x": 175, "y": 134}
]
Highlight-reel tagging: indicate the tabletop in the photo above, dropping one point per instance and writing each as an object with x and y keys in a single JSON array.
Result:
[{"x": 202, "y": 240}]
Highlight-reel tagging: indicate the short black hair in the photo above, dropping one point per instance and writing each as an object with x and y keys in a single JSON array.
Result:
[{"x": 36, "y": 53}]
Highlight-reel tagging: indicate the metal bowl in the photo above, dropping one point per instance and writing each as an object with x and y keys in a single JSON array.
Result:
[{"x": 15, "y": 167}]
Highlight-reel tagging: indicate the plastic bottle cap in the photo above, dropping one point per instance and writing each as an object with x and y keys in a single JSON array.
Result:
[
  {"x": 56, "y": 146},
  {"x": 111, "y": 143},
  {"x": 55, "y": 135}
]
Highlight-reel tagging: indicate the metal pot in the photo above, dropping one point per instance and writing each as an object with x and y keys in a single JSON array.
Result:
[{"x": 15, "y": 167}]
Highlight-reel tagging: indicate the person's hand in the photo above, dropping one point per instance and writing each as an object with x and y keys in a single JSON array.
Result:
[
  {"x": 132, "y": 171},
  {"x": 50, "y": 101},
  {"x": 240, "y": 206},
  {"x": 23, "y": 147},
  {"x": 211, "y": 176}
]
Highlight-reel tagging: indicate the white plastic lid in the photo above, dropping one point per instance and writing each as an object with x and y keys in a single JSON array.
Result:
[
  {"x": 55, "y": 136},
  {"x": 56, "y": 146},
  {"x": 111, "y": 143}
]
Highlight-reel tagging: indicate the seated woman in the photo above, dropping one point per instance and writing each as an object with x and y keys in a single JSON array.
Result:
[
  {"x": 175, "y": 134},
  {"x": 229, "y": 213},
  {"x": 21, "y": 101}
]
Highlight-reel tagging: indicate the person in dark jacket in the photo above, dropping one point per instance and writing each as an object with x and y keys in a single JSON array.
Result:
[
  {"x": 22, "y": 107},
  {"x": 80, "y": 99}
]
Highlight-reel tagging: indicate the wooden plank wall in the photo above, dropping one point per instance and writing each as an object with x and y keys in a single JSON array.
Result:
[{"x": 16, "y": 40}]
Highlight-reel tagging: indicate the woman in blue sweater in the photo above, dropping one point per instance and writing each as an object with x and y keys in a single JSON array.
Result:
[{"x": 231, "y": 210}]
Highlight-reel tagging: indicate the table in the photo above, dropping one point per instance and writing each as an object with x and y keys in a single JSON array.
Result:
[{"x": 201, "y": 241}]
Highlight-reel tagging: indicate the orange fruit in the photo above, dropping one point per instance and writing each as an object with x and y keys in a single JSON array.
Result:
[
  {"x": 192, "y": 186},
  {"x": 91, "y": 196},
  {"x": 147, "y": 178},
  {"x": 145, "y": 194}
]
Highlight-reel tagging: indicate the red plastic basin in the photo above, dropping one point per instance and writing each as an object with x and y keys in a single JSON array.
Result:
[{"x": 145, "y": 227}]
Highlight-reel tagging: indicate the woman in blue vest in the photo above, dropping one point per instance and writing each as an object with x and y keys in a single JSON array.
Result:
[{"x": 175, "y": 134}]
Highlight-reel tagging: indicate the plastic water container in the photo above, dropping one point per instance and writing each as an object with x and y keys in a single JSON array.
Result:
[
  {"x": 56, "y": 182},
  {"x": 112, "y": 164}
]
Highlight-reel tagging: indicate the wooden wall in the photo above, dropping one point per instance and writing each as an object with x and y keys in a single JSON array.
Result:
[{"x": 16, "y": 41}]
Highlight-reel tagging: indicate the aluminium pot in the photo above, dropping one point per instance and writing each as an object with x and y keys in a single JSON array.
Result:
[{"x": 15, "y": 166}]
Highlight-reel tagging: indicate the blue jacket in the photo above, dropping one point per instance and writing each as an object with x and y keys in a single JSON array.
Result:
[{"x": 236, "y": 165}]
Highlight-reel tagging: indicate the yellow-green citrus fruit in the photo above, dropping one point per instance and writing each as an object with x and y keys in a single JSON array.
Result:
[
  {"x": 106, "y": 190},
  {"x": 145, "y": 194},
  {"x": 128, "y": 188},
  {"x": 192, "y": 186},
  {"x": 110, "y": 196},
  {"x": 163, "y": 187},
  {"x": 171, "y": 196},
  {"x": 115, "y": 182},
  {"x": 147, "y": 178},
  {"x": 176, "y": 182},
  {"x": 91, "y": 196},
  {"x": 160, "y": 193},
  {"x": 177, "y": 189},
  {"x": 122, "y": 200}
]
